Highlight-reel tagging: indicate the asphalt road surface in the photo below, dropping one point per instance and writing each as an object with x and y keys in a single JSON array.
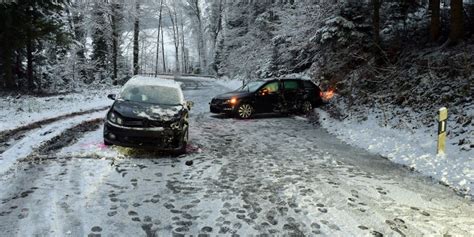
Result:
[{"x": 270, "y": 175}]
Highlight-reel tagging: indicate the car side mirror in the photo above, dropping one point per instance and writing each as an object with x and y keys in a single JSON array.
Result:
[
  {"x": 112, "y": 96},
  {"x": 189, "y": 104}
]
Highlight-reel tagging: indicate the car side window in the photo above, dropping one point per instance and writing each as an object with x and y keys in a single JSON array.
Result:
[
  {"x": 290, "y": 85},
  {"x": 271, "y": 87},
  {"x": 308, "y": 85}
]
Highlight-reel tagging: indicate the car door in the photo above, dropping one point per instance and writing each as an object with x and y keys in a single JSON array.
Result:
[
  {"x": 292, "y": 94},
  {"x": 268, "y": 97}
]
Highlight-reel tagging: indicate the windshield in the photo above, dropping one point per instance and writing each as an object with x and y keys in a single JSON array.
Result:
[
  {"x": 152, "y": 94},
  {"x": 252, "y": 86}
]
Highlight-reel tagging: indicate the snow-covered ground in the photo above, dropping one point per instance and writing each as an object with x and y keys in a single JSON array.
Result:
[
  {"x": 272, "y": 175},
  {"x": 413, "y": 146},
  {"x": 34, "y": 139},
  {"x": 24, "y": 110},
  {"x": 230, "y": 83}
]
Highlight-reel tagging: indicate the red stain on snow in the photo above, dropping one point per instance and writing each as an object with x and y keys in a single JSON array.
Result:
[
  {"x": 190, "y": 148},
  {"x": 102, "y": 146}
]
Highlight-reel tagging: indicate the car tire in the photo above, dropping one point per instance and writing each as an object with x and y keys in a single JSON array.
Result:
[
  {"x": 306, "y": 107},
  {"x": 244, "y": 111}
]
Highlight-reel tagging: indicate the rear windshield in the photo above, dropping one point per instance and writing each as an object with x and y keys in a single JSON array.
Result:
[{"x": 152, "y": 94}]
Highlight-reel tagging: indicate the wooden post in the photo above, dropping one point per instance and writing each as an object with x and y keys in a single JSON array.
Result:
[{"x": 443, "y": 117}]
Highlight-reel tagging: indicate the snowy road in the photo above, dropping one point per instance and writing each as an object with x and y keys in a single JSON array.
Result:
[{"x": 270, "y": 175}]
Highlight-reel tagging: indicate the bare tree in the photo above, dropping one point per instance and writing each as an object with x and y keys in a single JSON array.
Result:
[
  {"x": 215, "y": 26},
  {"x": 175, "y": 28},
  {"x": 194, "y": 10},
  {"x": 136, "y": 32},
  {"x": 163, "y": 48},
  {"x": 158, "y": 38},
  {"x": 114, "y": 22},
  {"x": 184, "y": 66}
]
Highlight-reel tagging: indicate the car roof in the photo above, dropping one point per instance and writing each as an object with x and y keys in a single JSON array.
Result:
[
  {"x": 152, "y": 81},
  {"x": 283, "y": 78}
]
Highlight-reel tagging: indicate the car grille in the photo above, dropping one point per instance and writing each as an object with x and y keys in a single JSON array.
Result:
[
  {"x": 142, "y": 123},
  {"x": 165, "y": 141}
]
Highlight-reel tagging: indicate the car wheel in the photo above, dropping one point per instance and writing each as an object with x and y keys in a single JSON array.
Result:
[
  {"x": 244, "y": 111},
  {"x": 306, "y": 107}
]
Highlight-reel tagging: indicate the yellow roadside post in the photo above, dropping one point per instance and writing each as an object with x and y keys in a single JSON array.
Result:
[{"x": 443, "y": 117}]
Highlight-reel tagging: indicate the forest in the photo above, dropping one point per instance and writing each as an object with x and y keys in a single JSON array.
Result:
[{"x": 48, "y": 46}]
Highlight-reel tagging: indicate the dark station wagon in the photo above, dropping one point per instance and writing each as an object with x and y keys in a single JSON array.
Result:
[{"x": 269, "y": 96}]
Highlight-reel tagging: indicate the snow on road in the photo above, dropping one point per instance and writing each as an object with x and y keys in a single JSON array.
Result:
[
  {"x": 270, "y": 175},
  {"x": 415, "y": 149}
]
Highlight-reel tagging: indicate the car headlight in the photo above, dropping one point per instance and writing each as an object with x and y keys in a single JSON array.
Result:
[
  {"x": 119, "y": 121},
  {"x": 232, "y": 101},
  {"x": 113, "y": 117}
]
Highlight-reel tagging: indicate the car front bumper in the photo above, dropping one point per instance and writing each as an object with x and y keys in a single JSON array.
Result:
[
  {"x": 221, "y": 107},
  {"x": 146, "y": 138}
]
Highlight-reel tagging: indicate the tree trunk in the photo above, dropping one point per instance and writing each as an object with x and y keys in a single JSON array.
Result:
[
  {"x": 163, "y": 49},
  {"x": 136, "y": 32},
  {"x": 79, "y": 35},
  {"x": 176, "y": 46},
  {"x": 158, "y": 39},
  {"x": 7, "y": 67},
  {"x": 457, "y": 26},
  {"x": 202, "y": 48},
  {"x": 435, "y": 27},
  {"x": 201, "y": 43},
  {"x": 376, "y": 21},
  {"x": 183, "y": 54},
  {"x": 114, "y": 43},
  {"x": 143, "y": 64},
  {"x": 174, "y": 24},
  {"x": 6, "y": 52},
  {"x": 29, "y": 60}
]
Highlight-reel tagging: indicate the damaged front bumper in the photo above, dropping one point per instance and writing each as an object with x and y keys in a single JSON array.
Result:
[{"x": 166, "y": 139}]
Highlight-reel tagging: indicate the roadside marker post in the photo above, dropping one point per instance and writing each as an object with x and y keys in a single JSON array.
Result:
[{"x": 443, "y": 117}]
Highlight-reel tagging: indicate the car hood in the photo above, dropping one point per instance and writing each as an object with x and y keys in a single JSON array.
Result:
[
  {"x": 233, "y": 94},
  {"x": 153, "y": 112}
]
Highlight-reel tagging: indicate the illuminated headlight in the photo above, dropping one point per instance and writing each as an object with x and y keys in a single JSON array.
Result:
[
  {"x": 119, "y": 121},
  {"x": 175, "y": 125},
  {"x": 113, "y": 117},
  {"x": 232, "y": 101}
]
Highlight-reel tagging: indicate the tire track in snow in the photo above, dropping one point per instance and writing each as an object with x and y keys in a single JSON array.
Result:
[
  {"x": 9, "y": 137},
  {"x": 49, "y": 148},
  {"x": 33, "y": 140}
]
